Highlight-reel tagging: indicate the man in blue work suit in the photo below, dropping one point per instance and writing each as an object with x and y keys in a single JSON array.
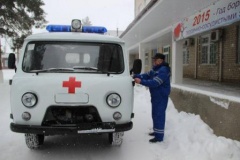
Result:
[{"x": 158, "y": 81}]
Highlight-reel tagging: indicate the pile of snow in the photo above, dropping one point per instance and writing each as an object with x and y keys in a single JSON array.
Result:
[{"x": 187, "y": 137}]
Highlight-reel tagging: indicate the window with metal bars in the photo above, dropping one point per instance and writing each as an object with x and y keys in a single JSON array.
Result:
[{"x": 208, "y": 52}]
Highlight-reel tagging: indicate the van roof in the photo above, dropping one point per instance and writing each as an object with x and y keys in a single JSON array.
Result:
[{"x": 74, "y": 36}]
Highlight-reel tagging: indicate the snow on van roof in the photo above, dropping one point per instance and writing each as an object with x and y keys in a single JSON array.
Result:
[{"x": 74, "y": 36}]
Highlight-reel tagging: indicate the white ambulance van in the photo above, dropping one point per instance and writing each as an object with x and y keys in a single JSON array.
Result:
[{"x": 72, "y": 80}]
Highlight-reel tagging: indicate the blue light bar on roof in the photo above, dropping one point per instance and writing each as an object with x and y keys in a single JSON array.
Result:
[
  {"x": 93, "y": 29},
  {"x": 58, "y": 28},
  {"x": 85, "y": 29}
]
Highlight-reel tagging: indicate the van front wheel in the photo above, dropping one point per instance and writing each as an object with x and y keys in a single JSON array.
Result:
[{"x": 33, "y": 141}]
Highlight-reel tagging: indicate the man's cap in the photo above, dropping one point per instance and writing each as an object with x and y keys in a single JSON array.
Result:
[{"x": 159, "y": 56}]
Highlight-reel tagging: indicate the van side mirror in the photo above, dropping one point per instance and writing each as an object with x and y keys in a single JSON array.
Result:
[
  {"x": 137, "y": 66},
  {"x": 11, "y": 61}
]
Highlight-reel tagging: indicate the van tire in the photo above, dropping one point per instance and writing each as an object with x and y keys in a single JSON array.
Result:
[{"x": 33, "y": 141}]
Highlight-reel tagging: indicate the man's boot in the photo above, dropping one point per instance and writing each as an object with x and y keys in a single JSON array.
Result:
[{"x": 151, "y": 134}]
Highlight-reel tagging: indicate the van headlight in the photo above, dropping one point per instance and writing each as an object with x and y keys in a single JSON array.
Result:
[
  {"x": 113, "y": 100},
  {"x": 29, "y": 100}
]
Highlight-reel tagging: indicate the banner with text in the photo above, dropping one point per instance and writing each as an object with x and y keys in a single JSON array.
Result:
[{"x": 220, "y": 13}]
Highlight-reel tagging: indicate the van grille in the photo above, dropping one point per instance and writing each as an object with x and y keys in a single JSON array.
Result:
[{"x": 65, "y": 115}]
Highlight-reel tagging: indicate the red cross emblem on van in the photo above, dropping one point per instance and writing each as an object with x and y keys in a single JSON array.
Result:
[{"x": 71, "y": 84}]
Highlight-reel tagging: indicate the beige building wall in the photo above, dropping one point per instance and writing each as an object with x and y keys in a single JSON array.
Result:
[
  {"x": 231, "y": 69},
  {"x": 189, "y": 69}
]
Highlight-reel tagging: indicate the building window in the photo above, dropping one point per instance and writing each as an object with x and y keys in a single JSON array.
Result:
[
  {"x": 166, "y": 52},
  {"x": 185, "y": 56},
  {"x": 238, "y": 50},
  {"x": 208, "y": 50},
  {"x": 213, "y": 53},
  {"x": 154, "y": 51},
  {"x": 146, "y": 59}
]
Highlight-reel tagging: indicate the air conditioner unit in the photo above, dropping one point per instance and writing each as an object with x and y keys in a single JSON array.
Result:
[
  {"x": 189, "y": 42},
  {"x": 215, "y": 36}
]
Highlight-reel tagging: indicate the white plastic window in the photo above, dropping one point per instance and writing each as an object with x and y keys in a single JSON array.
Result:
[
  {"x": 208, "y": 50},
  {"x": 166, "y": 52}
]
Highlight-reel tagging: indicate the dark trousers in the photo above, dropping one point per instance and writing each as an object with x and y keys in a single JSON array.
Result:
[{"x": 159, "y": 106}]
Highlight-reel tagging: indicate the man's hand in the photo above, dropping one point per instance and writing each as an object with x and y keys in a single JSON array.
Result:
[{"x": 137, "y": 80}]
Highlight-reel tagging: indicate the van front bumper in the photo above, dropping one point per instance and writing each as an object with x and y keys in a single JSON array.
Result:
[{"x": 104, "y": 127}]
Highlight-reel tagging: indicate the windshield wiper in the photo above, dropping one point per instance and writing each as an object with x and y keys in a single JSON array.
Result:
[
  {"x": 52, "y": 70},
  {"x": 85, "y": 68}
]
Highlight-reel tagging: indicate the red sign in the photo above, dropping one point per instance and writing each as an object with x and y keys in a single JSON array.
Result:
[
  {"x": 177, "y": 30},
  {"x": 72, "y": 84}
]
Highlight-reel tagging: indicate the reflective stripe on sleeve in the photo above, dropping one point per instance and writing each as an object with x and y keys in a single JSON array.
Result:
[{"x": 159, "y": 80}]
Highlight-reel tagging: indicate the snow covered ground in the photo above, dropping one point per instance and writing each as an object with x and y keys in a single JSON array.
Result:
[{"x": 187, "y": 137}]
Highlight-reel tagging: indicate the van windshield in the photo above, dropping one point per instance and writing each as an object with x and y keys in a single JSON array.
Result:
[{"x": 73, "y": 57}]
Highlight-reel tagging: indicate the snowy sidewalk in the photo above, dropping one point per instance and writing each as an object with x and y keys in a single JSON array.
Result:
[{"x": 187, "y": 137}]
